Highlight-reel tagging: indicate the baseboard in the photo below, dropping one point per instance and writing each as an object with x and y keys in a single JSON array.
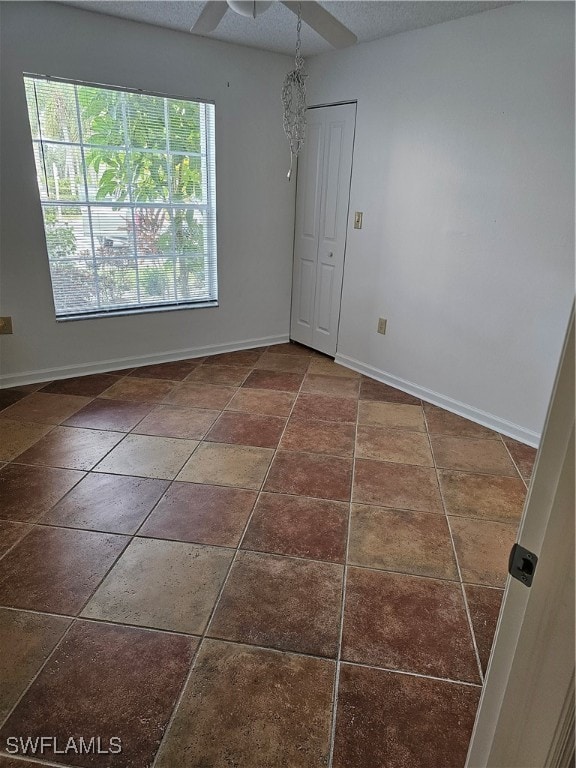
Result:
[
  {"x": 454, "y": 406},
  {"x": 67, "y": 372}
]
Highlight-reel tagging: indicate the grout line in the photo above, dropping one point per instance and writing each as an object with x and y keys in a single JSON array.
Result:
[{"x": 514, "y": 462}]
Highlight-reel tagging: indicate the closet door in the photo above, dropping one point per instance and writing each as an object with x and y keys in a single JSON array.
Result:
[{"x": 322, "y": 200}]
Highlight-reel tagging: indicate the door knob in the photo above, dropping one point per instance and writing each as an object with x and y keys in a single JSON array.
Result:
[{"x": 330, "y": 255}]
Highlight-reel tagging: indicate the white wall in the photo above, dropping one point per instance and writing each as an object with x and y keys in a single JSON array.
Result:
[
  {"x": 464, "y": 168},
  {"x": 255, "y": 202}
]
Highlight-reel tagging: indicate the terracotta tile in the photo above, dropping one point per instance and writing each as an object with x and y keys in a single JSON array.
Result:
[
  {"x": 111, "y": 503},
  {"x": 11, "y": 533},
  {"x": 114, "y": 415},
  {"x": 289, "y": 363},
  {"x": 104, "y": 680},
  {"x": 85, "y": 386},
  {"x": 291, "y": 348},
  {"x": 146, "y": 456},
  {"x": 262, "y": 401},
  {"x": 222, "y": 464},
  {"x": 41, "y": 408},
  {"x": 524, "y": 456},
  {"x": 469, "y": 455},
  {"x": 279, "y": 380},
  {"x": 200, "y": 395},
  {"x": 306, "y": 474},
  {"x": 176, "y": 370},
  {"x": 377, "y": 391},
  {"x": 247, "y": 429},
  {"x": 27, "y": 388},
  {"x": 12, "y": 762},
  {"x": 408, "y": 623},
  {"x": 17, "y": 436},
  {"x": 71, "y": 448},
  {"x": 56, "y": 569},
  {"x": 250, "y": 704},
  {"x": 242, "y": 357},
  {"x": 397, "y": 445},
  {"x": 163, "y": 584},
  {"x": 441, "y": 422},
  {"x": 325, "y": 366},
  {"x": 206, "y": 514},
  {"x": 395, "y": 415},
  {"x": 409, "y": 542},
  {"x": 484, "y": 605},
  {"x": 400, "y": 486},
  {"x": 230, "y": 375},
  {"x": 325, "y": 408},
  {"x": 299, "y": 526},
  {"x": 176, "y": 421},
  {"x": 26, "y": 639},
  {"x": 329, "y": 437},
  {"x": 141, "y": 390},
  {"x": 27, "y": 492},
  {"x": 279, "y": 602},
  {"x": 402, "y": 721},
  {"x": 482, "y": 549},
  {"x": 337, "y": 386},
  {"x": 484, "y": 496},
  {"x": 9, "y": 397}
]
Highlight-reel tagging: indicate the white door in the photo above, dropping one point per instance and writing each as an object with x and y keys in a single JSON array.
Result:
[{"x": 322, "y": 198}]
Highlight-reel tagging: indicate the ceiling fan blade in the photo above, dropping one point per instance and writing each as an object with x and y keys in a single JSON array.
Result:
[
  {"x": 324, "y": 23},
  {"x": 212, "y": 14}
]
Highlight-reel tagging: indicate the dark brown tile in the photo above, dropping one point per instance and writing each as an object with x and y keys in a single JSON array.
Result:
[
  {"x": 325, "y": 408},
  {"x": 163, "y": 584},
  {"x": 289, "y": 363},
  {"x": 141, "y": 390},
  {"x": 9, "y": 397},
  {"x": 196, "y": 395},
  {"x": 42, "y": 408},
  {"x": 397, "y": 445},
  {"x": 27, "y": 492},
  {"x": 483, "y": 496},
  {"x": 17, "y": 436},
  {"x": 10, "y": 533},
  {"x": 441, "y": 422},
  {"x": 284, "y": 382},
  {"x": 470, "y": 455},
  {"x": 482, "y": 549},
  {"x": 26, "y": 639},
  {"x": 116, "y": 415},
  {"x": 409, "y": 542},
  {"x": 177, "y": 421},
  {"x": 524, "y": 456},
  {"x": 291, "y": 348},
  {"x": 408, "y": 623},
  {"x": 307, "y": 474},
  {"x": 86, "y": 386},
  {"x": 104, "y": 680},
  {"x": 400, "y": 486},
  {"x": 264, "y": 401},
  {"x": 329, "y": 437},
  {"x": 56, "y": 569},
  {"x": 230, "y": 375},
  {"x": 376, "y": 390},
  {"x": 295, "y": 525},
  {"x": 206, "y": 514},
  {"x": 247, "y": 429},
  {"x": 389, "y": 720},
  {"x": 174, "y": 371},
  {"x": 71, "y": 448},
  {"x": 280, "y": 602},
  {"x": 336, "y": 386},
  {"x": 242, "y": 357},
  {"x": 111, "y": 503},
  {"x": 484, "y": 606},
  {"x": 249, "y": 707},
  {"x": 12, "y": 762}
]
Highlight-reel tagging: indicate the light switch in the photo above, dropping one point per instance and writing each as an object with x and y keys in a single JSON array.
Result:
[{"x": 358, "y": 220}]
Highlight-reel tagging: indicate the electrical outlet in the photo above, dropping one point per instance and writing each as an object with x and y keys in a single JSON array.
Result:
[
  {"x": 5, "y": 325},
  {"x": 382, "y": 325}
]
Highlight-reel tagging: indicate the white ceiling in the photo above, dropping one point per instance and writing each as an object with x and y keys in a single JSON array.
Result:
[{"x": 275, "y": 30}]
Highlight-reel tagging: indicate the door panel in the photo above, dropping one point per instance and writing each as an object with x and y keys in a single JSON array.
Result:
[{"x": 324, "y": 171}]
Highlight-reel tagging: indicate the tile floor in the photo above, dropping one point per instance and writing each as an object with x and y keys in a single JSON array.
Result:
[{"x": 255, "y": 560}]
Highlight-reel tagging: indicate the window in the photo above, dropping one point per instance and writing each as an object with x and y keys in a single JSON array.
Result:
[{"x": 127, "y": 186}]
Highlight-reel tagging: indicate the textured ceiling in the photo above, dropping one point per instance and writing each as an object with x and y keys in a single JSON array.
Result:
[{"x": 275, "y": 30}]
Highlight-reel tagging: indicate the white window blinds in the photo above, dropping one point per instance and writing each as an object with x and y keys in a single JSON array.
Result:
[{"x": 127, "y": 186}]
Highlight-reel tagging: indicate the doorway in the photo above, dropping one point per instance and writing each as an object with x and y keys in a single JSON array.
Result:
[{"x": 322, "y": 204}]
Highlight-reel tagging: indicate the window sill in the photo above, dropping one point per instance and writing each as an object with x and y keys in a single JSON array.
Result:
[{"x": 137, "y": 311}]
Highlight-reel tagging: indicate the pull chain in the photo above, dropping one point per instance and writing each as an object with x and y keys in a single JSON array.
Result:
[{"x": 294, "y": 100}]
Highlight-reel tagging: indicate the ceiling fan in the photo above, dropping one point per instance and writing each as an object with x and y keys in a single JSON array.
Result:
[{"x": 313, "y": 14}]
